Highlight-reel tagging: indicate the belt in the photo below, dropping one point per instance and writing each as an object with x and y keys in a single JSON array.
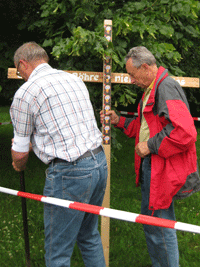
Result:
[{"x": 85, "y": 155}]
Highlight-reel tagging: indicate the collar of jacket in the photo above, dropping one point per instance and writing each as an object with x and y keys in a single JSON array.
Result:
[{"x": 161, "y": 75}]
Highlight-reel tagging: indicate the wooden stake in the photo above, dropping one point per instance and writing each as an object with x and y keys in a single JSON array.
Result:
[{"x": 107, "y": 69}]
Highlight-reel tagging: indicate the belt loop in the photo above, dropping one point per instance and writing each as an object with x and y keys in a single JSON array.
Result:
[
  {"x": 52, "y": 163},
  {"x": 74, "y": 163},
  {"x": 94, "y": 158}
]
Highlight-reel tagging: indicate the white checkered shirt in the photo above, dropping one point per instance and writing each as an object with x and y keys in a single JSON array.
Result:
[{"x": 53, "y": 110}]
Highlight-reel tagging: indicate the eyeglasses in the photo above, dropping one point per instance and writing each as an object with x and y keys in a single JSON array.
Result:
[{"x": 17, "y": 72}]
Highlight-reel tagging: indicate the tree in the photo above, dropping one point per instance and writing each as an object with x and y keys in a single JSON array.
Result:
[{"x": 72, "y": 32}]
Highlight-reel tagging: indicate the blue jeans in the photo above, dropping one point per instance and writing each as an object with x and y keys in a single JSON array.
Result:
[
  {"x": 82, "y": 181},
  {"x": 161, "y": 242}
]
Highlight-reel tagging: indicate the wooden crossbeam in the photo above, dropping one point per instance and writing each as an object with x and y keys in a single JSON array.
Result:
[{"x": 123, "y": 78}]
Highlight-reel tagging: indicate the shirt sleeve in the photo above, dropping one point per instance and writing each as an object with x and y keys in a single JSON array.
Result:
[
  {"x": 128, "y": 126},
  {"x": 21, "y": 117},
  {"x": 21, "y": 144},
  {"x": 179, "y": 133}
]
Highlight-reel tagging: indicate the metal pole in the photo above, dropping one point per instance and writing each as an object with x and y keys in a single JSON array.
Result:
[{"x": 25, "y": 222}]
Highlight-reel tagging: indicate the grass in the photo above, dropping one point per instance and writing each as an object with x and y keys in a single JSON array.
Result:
[{"x": 127, "y": 241}]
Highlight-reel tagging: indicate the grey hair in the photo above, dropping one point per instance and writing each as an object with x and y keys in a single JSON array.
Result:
[
  {"x": 29, "y": 52},
  {"x": 140, "y": 55}
]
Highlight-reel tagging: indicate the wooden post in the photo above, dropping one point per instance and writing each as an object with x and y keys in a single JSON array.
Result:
[{"x": 107, "y": 69}]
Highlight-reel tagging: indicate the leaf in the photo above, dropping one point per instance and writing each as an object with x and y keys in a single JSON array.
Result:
[
  {"x": 139, "y": 5},
  {"x": 89, "y": 12},
  {"x": 45, "y": 14},
  {"x": 166, "y": 30},
  {"x": 178, "y": 35},
  {"x": 164, "y": 1},
  {"x": 130, "y": 99},
  {"x": 194, "y": 14},
  {"x": 47, "y": 43},
  {"x": 56, "y": 9},
  {"x": 190, "y": 29},
  {"x": 122, "y": 43},
  {"x": 122, "y": 99},
  {"x": 131, "y": 93}
]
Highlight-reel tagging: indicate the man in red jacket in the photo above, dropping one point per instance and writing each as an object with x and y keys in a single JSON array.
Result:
[{"x": 165, "y": 152}]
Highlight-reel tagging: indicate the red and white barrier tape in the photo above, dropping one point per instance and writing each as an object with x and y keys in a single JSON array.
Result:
[
  {"x": 121, "y": 112},
  {"x": 136, "y": 114},
  {"x": 128, "y": 113},
  {"x": 3, "y": 123},
  {"x": 112, "y": 213},
  {"x": 196, "y": 119}
]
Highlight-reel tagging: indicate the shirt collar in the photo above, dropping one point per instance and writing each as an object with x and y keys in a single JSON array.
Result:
[
  {"x": 150, "y": 87},
  {"x": 38, "y": 69}
]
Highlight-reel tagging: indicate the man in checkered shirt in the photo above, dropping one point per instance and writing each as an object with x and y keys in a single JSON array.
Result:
[{"x": 52, "y": 112}]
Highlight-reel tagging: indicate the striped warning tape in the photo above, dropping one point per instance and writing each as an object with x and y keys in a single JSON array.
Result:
[
  {"x": 136, "y": 114},
  {"x": 128, "y": 113},
  {"x": 196, "y": 119},
  {"x": 107, "y": 212},
  {"x": 3, "y": 123},
  {"x": 121, "y": 112}
]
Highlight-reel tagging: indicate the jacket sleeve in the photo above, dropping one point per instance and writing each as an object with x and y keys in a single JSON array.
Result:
[
  {"x": 128, "y": 125},
  {"x": 179, "y": 131}
]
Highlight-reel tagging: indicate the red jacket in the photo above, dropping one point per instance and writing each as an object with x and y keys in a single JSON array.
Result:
[{"x": 174, "y": 170}]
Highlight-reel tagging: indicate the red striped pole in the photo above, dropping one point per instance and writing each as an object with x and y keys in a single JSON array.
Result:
[{"x": 111, "y": 213}]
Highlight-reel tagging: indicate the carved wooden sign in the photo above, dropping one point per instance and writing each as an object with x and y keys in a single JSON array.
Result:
[{"x": 123, "y": 78}]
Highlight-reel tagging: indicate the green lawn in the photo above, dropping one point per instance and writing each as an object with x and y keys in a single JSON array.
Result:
[{"x": 127, "y": 242}]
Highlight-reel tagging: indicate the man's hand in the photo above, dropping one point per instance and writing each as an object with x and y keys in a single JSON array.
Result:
[
  {"x": 114, "y": 118},
  {"x": 19, "y": 160},
  {"x": 142, "y": 149},
  {"x": 16, "y": 168}
]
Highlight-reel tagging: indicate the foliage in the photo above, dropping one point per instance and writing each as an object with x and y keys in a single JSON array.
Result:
[
  {"x": 123, "y": 95},
  {"x": 75, "y": 27},
  {"x": 72, "y": 32}
]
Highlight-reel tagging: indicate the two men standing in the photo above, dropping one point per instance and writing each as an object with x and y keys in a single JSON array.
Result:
[{"x": 52, "y": 110}]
